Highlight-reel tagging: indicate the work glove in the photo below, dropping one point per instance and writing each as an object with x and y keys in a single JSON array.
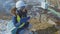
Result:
[{"x": 25, "y": 19}]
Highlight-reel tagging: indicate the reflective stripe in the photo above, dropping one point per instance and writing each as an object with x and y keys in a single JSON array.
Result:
[{"x": 21, "y": 25}]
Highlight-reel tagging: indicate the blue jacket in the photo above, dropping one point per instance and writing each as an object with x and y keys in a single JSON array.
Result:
[{"x": 23, "y": 20}]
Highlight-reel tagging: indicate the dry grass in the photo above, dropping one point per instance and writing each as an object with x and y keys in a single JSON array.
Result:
[{"x": 36, "y": 25}]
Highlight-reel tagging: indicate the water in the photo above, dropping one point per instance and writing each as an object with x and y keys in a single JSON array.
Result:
[{"x": 3, "y": 24}]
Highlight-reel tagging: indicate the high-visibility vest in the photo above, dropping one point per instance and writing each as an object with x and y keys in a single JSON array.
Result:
[{"x": 18, "y": 19}]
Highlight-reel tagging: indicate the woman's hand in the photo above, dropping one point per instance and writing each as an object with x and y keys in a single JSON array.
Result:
[{"x": 24, "y": 19}]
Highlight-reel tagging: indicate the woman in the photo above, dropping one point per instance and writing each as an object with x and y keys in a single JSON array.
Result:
[{"x": 20, "y": 18}]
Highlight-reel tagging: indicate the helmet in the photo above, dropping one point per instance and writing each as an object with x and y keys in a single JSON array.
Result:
[{"x": 19, "y": 4}]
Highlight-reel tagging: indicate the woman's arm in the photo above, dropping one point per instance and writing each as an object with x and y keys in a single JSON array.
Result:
[{"x": 15, "y": 22}]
